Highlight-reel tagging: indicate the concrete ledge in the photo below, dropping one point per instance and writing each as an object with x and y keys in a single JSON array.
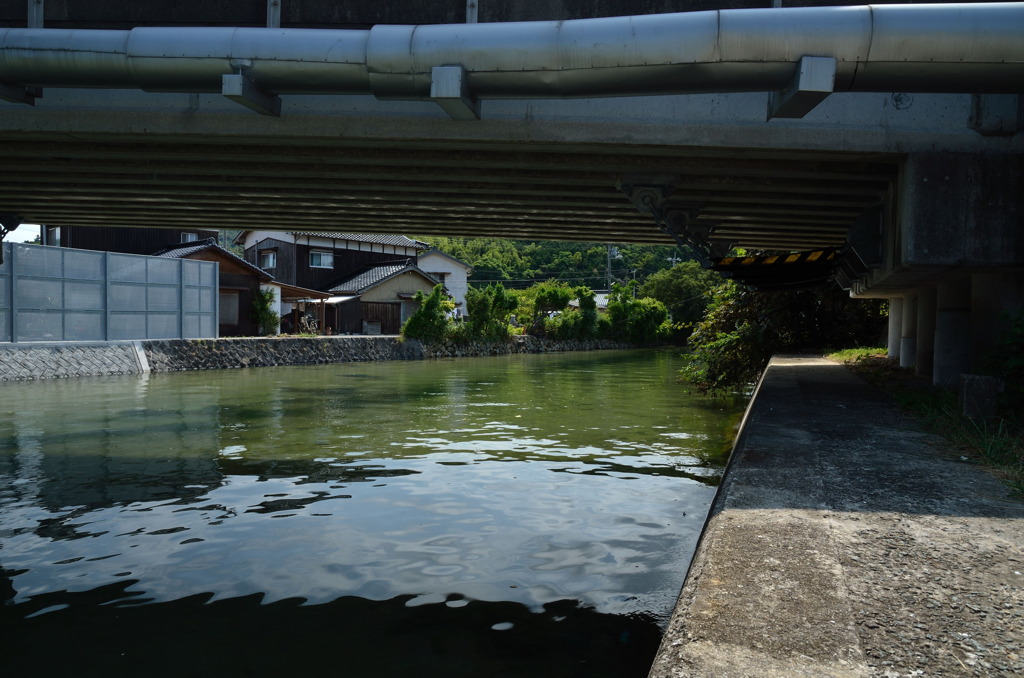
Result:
[{"x": 845, "y": 542}]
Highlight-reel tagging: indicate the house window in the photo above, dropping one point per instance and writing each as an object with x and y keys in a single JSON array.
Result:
[
  {"x": 268, "y": 259},
  {"x": 189, "y": 237},
  {"x": 321, "y": 259}
]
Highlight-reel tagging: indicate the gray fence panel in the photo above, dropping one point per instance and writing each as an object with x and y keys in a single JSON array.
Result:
[{"x": 61, "y": 294}]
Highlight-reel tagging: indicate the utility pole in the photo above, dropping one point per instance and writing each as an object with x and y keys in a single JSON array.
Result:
[{"x": 608, "y": 280}]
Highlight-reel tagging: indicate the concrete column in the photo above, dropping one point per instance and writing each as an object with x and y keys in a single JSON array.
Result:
[
  {"x": 908, "y": 333},
  {"x": 895, "y": 326},
  {"x": 925, "y": 331},
  {"x": 952, "y": 332}
]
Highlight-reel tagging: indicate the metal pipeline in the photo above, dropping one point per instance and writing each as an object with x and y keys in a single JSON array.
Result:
[{"x": 908, "y": 48}]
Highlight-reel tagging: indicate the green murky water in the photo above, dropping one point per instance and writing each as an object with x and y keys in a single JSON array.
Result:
[{"x": 510, "y": 516}]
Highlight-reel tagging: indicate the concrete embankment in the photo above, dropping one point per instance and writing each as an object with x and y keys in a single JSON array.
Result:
[
  {"x": 63, "y": 360},
  {"x": 846, "y": 542}
]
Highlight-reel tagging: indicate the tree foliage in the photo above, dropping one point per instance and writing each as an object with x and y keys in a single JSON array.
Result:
[
  {"x": 263, "y": 313},
  {"x": 640, "y": 320},
  {"x": 489, "y": 309},
  {"x": 522, "y": 263},
  {"x": 632, "y": 320},
  {"x": 743, "y": 328},
  {"x": 686, "y": 291},
  {"x": 581, "y": 324},
  {"x": 548, "y": 298},
  {"x": 430, "y": 322}
]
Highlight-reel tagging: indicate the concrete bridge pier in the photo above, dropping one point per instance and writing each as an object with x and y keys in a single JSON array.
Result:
[
  {"x": 908, "y": 334},
  {"x": 952, "y": 258},
  {"x": 954, "y": 327},
  {"x": 925, "y": 331},
  {"x": 895, "y": 326}
]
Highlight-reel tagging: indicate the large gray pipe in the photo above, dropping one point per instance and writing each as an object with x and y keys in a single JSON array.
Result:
[{"x": 910, "y": 48}]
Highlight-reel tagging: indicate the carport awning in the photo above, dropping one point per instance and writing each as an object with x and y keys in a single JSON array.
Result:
[{"x": 292, "y": 293}]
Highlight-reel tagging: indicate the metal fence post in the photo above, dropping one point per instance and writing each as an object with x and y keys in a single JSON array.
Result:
[
  {"x": 181, "y": 298},
  {"x": 12, "y": 259},
  {"x": 106, "y": 296},
  {"x": 216, "y": 300}
]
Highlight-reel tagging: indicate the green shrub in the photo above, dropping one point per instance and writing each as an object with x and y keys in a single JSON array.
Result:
[
  {"x": 686, "y": 290},
  {"x": 489, "y": 309},
  {"x": 548, "y": 298},
  {"x": 636, "y": 320},
  {"x": 430, "y": 323},
  {"x": 263, "y": 314},
  {"x": 744, "y": 328},
  {"x": 573, "y": 324}
]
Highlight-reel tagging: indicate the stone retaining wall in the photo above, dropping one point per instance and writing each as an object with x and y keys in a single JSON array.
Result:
[
  {"x": 520, "y": 344},
  {"x": 174, "y": 355},
  {"x": 56, "y": 361}
]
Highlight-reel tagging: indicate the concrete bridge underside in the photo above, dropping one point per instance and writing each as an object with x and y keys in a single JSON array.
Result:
[{"x": 920, "y": 192}]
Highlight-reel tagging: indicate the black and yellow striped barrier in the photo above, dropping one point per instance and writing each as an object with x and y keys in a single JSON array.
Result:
[{"x": 781, "y": 271}]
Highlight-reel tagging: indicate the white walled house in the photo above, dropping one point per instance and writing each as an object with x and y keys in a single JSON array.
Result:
[{"x": 450, "y": 271}]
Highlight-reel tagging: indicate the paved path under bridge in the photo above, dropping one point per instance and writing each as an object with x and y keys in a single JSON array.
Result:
[{"x": 845, "y": 541}]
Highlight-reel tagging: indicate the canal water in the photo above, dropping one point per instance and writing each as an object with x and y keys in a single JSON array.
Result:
[{"x": 520, "y": 516}]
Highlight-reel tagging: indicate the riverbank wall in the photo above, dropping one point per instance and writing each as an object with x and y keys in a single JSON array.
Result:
[
  {"x": 24, "y": 362},
  {"x": 845, "y": 541}
]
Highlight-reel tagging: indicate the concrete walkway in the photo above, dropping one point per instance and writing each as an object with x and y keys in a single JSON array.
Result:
[{"x": 844, "y": 541}]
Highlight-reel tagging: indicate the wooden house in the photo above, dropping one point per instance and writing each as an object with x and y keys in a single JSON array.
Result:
[
  {"x": 316, "y": 259},
  {"x": 371, "y": 278},
  {"x": 123, "y": 239},
  {"x": 239, "y": 282},
  {"x": 377, "y": 299}
]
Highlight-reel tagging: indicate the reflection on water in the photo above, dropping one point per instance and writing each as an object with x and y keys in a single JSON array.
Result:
[{"x": 439, "y": 515}]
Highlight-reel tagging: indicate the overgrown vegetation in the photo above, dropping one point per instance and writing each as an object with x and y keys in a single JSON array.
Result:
[
  {"x": 686, "y": 290},
  {"x": 430, "y": 323},
  {"x": 744, "y": 328},
  {"x": 582, "y": 324},
  {"x": 638, "y": 320},
  {"x": 544, "y": 310},
  {"x": 489, "y": 310},
  {"x": 997, "y": 443},
  {"x": 263, "y": 313}
]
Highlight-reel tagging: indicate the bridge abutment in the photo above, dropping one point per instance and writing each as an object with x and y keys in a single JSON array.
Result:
[{"x": 954, "y": 263}]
